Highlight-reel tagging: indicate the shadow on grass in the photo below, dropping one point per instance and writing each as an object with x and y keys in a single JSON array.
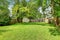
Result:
[
  {"x": 3, "y": 31},
  {"x": 54, "y": 31},
  {"x": 36, "y": 23},
  {"x": 32, "y": 23}
]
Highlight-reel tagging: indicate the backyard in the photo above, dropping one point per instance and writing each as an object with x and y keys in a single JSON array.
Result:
[
  {"x": 29, "y": 19},
  {"x": 30, "y": 31}
]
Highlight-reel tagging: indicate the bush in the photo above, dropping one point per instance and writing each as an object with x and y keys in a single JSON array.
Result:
[{"x": 4, "y": 16}]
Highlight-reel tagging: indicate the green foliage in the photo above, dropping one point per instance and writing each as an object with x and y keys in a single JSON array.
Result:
[
  {"x": 4, "y": 16},
  {"x": 44, "y": 3},
  {"x": 29, "y": 10},
  {"x": 14, "y": 11},
  {"x": 56, "y": 8},
  {"x": 4, "y": 3}
]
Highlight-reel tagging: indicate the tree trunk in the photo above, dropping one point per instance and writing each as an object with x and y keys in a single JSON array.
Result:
[
  {"x": 19, "y": 20},
  {"x": 57, "y": 21}
]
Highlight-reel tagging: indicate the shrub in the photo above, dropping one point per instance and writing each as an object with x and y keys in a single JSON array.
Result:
[{"x": 4, "y": 16}]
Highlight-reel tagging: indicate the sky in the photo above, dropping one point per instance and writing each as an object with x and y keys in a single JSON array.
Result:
[{"x": 10, "y": 8}]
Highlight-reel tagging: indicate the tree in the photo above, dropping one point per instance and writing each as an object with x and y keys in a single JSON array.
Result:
[
  {"x": 4, "y": 16},
  {"x": 4, "y": 12},
  {"x": 25, "y": 9},
  {"x": 18, "y": 4},
  {"x": 55, "y": 11}
]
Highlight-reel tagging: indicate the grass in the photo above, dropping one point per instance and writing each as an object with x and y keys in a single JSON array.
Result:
[{"x": 27, "y": 31}]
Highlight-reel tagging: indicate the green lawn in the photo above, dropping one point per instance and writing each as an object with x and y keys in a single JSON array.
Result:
[{"x": 27, "y": 32}]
